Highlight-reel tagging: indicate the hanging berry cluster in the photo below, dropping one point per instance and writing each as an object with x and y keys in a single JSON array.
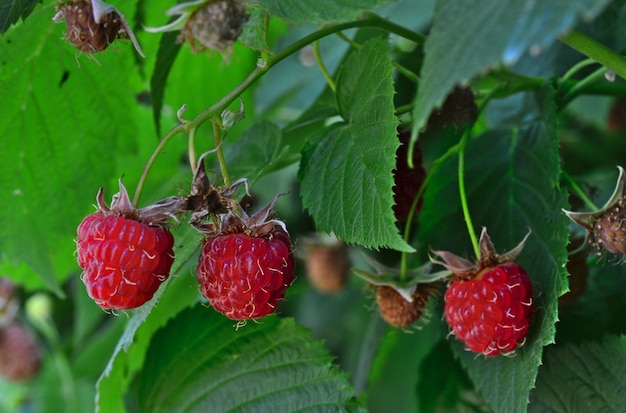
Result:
[{"x": 126, "y": 253}]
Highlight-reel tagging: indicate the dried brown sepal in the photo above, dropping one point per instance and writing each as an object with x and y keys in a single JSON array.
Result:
[
  {"x": 464, "y": 269},
  {"x": 260, "y": 224},
  {"x": 157, "y": 214},
  {"x": 205, "y": 200}
]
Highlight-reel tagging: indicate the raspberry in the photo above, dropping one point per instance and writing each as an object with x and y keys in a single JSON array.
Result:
[
  {"x": 407, "y": 181},
  {"x": 215, "y": 25},
  {"x": 93, "y": 25},
  {"x": 19, "y": 353},
  {"x": 246, "y": 265},
  {"x": 490, "y": 313},
  {"x": 327, "y": 266},
  {"x": 609, "y": 232},
  {"x": 125, "y": 253},
  {"x": 396, "y": 310},
  {"x": 606, "y": 227}
]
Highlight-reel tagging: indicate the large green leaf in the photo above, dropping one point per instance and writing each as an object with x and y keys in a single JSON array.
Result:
[
  {"x": 64, "y": 120},
  {"x": 257, "y": 152},
  {"x": 346, "y": 169},
  {"x": 469, "y": 36},
  {"x": 209, "y": 365},
  {"x": 320, "y": 11},
  {"x": 12, "y": 10},
  {"x": 512, "y": 183},
  {"x": 397, "y": 377},
  {"x": 588, "y": 377}
]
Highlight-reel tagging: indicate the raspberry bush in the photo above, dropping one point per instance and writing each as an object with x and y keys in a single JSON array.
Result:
[{"x": 246, "y": 132}]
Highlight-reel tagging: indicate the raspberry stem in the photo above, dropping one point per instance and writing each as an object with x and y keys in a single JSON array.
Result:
[
  {"x": 595, "y": 51},
  {"x": 320, "y": 64},
  {"x": 578, "y": 190},
  {"x": 368, "y": 20},
  {"x": 157, "y": 151},
  {"x": 220, "y": 153},
  {"x": 466, "y": 214}
]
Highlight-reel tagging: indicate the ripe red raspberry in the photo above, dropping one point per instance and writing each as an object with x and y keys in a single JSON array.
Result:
[
  {"x": 489, "y": 303},
  {"x": 490, "y": 313},
  {"x": 20, "y": 358},
  {"x": 125, "y": 253},
  {"x": 246, "y": 265},
  {"x": 407, "y": 181}
]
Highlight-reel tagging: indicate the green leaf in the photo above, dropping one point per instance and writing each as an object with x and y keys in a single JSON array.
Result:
[
  {"x": 589, "y": 377},
  {"x": 209, "y": 365},
  {"x": 12, "y": 10},
  {"x": 346, "y": 169},
  {"x": 320, "y": 11},
  {"x": 129, "y": 354},
  {"x": 444, "y": 385},
  {"x": 59, "y": 135},
  {"x": 500, "y": 32},
  {"x": 512, "y": 184},
  {"x": 396, "y": 372},
  {"x": 254, "y": 33},
  {"x": 257, "y": 152},
  {"x": 166, "y": 56}
]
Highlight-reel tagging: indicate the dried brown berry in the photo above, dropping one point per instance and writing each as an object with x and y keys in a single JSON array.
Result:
[
  {"x": 93, "y": 25},
  {"x": 609, "y": 231},
  {"x": 606, "y": 227},
  {"x": 327, "y": 266},
  {"x": 215, "y": 26},
  {"x": 19, "y": 353},
  {"x": 396, "y": 310}
]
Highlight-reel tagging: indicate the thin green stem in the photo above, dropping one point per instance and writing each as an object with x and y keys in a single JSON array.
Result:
[
  {"x": 578, "y": 190},
  {"x": 146, "y": 169},
  {"x": 466, "y": 213},
  {"x": 320, "y": 64},
  {"x": 348, "y": 40},
  {"x": 220, "y": 154},
  {"x": 454, "y": 149},
  {"x": 370, "y": 20},
  {"x": 596, "y": 51},
  {"x": 191, "y": 149},
  {"x": 406, "y": 72},
  {"x": 584, "y": 84},
  {"x": 576, "y": 68},
  {"x": 263, "y": 66}
]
